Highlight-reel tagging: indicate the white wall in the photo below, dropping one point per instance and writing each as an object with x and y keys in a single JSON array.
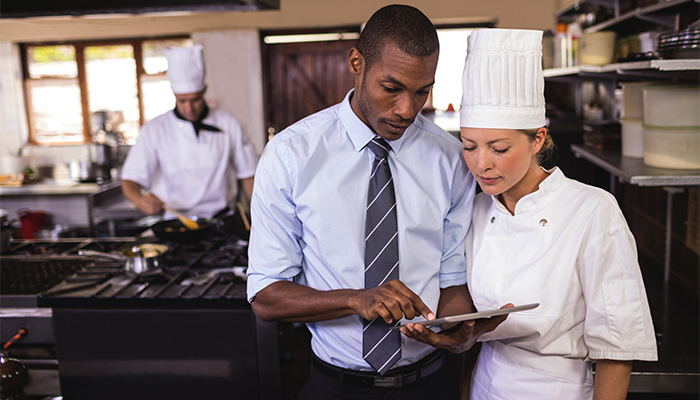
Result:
[
  {"x": 13, "y": 120},
  {"x": 234, "y": 78}
]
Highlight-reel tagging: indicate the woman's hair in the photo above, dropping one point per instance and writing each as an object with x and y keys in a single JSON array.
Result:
[{"x": 548, "y": 150}]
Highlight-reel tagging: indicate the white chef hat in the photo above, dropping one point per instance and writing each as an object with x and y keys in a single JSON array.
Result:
[
  {"x": 502, "y": 84},
  {"x": 185, "y": 69}
]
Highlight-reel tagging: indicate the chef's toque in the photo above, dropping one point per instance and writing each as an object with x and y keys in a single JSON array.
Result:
[
  {"x": 502, "y": 84},
  {"x": 185, "y": 69}
]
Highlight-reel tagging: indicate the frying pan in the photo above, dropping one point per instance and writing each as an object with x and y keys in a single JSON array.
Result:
[{"x": 172, "y": 230}]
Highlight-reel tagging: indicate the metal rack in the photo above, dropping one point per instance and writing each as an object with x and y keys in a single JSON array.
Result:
[{"x": 634, "y": 172}]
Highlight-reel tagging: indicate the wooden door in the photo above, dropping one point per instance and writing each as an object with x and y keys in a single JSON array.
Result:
[{"x": 303, "y": 78}]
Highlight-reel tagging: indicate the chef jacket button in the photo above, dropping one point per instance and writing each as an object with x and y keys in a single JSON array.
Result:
[
  {"x": 493, "y": 219},
  {"x": 543, "y": 222},
  {"x": 180, "y": 124}
]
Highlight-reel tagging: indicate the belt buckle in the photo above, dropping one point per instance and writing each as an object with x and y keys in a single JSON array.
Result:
[{"x": 388, "y": 381}]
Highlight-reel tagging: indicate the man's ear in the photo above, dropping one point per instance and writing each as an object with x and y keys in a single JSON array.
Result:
[{"x": 356, "y": 63}]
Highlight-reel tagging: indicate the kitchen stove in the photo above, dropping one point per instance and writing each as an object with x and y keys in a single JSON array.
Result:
[{"x": 184, "y": 330}]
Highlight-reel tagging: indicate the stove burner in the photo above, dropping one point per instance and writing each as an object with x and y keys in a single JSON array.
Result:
[{"x": 22, "y": 276}]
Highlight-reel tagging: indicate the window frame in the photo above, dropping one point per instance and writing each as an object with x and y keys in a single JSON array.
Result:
[{"x": 79, "y": 46}]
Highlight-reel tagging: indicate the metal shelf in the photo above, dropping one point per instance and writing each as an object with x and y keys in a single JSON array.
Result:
[
  {"x": 633, "y": 170},
  {"x": 663, "y": 69},
  {"x": 662, "y": 13}
]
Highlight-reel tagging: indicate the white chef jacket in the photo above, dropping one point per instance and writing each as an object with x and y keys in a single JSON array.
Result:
[
  {"x": 568, "y": 247},
  {"x": 194, "y": 174}
]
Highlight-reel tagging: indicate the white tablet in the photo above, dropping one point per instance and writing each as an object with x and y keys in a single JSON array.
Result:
[{"x": 476, "y": 315}]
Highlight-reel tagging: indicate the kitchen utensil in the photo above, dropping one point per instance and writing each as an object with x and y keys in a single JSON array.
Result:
[
  {"x": 172, "y": 230},
  {"x": 14, "y": 375},
  {"x": 243, "y": 215},
  {"x": 187, "y": 222},
  {"x": 476, "y": 315},
  {"x": 138, "y": 258},
  {"x": 680, "y": 44},
  {"x": 597, "y": 48}
]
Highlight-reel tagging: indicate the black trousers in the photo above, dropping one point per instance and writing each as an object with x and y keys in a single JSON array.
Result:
[{"x": 442, "y": 384}]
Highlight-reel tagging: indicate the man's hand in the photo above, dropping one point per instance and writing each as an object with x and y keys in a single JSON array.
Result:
[
  {"x": 458, "y": 339},
  {"x": 391, "y": 302},
  {"x": 149, "y": 204}
]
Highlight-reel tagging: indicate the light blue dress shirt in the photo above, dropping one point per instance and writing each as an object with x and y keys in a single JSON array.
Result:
[{"x": 308, "y": 217}]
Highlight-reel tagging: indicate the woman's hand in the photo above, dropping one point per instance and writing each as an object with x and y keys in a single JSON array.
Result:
[{"x": 456, "y": 339}]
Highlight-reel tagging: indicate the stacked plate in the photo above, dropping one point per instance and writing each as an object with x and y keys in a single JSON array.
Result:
[{"x": 680, "y": 44}]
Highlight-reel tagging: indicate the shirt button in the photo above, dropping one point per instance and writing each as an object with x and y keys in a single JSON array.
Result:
[
  {"x": 493, "y": 219},
  {"x": 543, "y": 222}
]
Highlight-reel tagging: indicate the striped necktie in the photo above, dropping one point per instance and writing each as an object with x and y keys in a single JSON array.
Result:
[{"x": 381, "y": 347}]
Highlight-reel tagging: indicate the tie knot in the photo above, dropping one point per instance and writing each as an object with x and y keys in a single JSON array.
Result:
[{"x": 379, "y": 147}]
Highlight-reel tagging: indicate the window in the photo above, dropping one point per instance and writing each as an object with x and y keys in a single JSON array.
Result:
[
  {"x": 448, "y": 76},
  {"x": 82, "y": 92}
]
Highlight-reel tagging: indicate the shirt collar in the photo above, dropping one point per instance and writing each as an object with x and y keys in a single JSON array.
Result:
[
  {"x": 359, "y": 133},
  {"x": 554, "y": 182},
  {"x": 198, "y": 124}
]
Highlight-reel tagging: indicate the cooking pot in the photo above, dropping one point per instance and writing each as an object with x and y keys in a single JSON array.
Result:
[
  {"x": 138, "y": 259},
  {"x": 14, "y": 375}
]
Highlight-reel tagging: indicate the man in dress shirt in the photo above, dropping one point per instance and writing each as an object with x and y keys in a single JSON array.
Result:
[{"x": 306, "y": 251}]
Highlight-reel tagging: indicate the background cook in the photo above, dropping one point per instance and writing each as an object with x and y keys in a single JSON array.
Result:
[{"x": 191, "y": 157}]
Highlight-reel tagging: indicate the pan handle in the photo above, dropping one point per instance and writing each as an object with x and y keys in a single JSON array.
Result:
[{"x": 100, "y": 254}]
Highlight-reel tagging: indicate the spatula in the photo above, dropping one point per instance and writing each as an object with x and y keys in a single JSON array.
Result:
[{"x": 189, "y": 223}]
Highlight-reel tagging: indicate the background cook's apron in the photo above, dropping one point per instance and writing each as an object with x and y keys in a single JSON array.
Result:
[{"x": 505, "y": 372}]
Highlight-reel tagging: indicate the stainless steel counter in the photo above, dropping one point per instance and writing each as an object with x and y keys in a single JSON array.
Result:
[
  {"x": 77, "y": 205},
  {"x": 51, "y": 187}
]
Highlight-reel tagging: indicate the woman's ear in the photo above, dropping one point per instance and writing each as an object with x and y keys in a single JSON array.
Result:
[{"x": 540, "y": 137}]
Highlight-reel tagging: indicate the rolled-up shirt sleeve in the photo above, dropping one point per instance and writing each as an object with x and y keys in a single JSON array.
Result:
[
  {"x": 274, "y": 252},
  {"x": 453, "y": 267}
]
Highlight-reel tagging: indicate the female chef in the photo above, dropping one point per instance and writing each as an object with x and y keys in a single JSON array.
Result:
[{"x": 540, "y": 237}]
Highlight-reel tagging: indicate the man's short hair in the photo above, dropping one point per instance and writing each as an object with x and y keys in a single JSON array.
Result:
[{"x": 404, "y": 26}]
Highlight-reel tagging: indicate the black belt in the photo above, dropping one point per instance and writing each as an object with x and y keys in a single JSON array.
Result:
[{"x": 395, "y": 378}]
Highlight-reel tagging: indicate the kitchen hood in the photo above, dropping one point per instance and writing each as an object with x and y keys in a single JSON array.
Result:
[{"x": 51, "y": 8}]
